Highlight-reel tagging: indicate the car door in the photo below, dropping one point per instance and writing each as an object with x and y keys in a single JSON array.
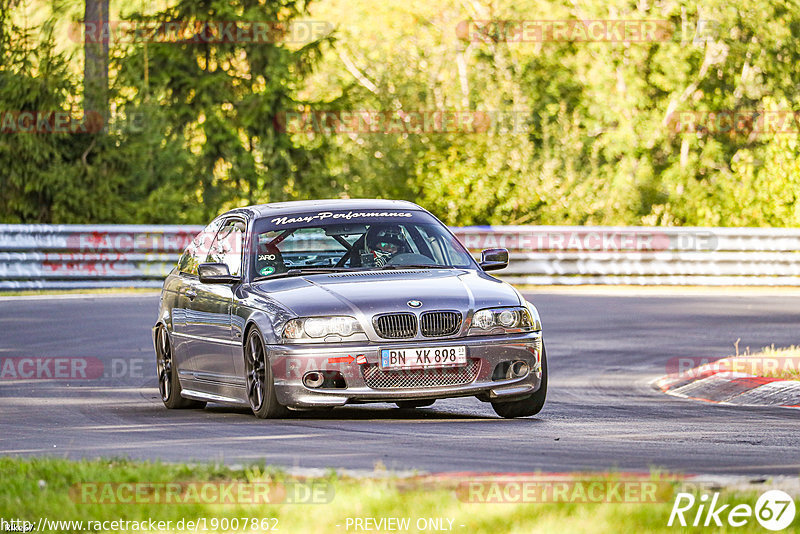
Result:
[
  {"x": 186, "y": 290},
  {"x": 209, "y": 323}
]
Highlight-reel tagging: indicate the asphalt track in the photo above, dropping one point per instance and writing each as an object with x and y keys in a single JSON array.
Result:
[{"x": 601, "y": 412}]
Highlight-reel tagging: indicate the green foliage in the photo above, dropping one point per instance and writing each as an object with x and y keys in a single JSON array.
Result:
[
  {"x": 218, "y": 102},
  {"x": 191, "y": 130},
  {"x": 125, "y": 490},
  {"x": 597, "y": 137},
  {"x": 601, "y": 145},
  {"x": 29, "y": 183}
]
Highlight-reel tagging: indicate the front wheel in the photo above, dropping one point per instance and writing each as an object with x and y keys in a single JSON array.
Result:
[
  {"x": 530, "y": 405},
  {"x": 168, "y": 384},
  {"x": 258, "y": 376}
]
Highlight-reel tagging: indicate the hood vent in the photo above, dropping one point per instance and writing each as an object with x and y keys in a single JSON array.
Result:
[{"x": 362, "y": 274}]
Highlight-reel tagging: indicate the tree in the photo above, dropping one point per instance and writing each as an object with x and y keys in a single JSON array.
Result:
[
  {"x": 218, "y": 92},
  {"x": 95, "y": 77}
]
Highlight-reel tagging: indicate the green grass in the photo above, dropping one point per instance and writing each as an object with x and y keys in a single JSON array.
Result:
[
  {"x": 49, "y": 487},
  {"x": 783, "y": 363}
]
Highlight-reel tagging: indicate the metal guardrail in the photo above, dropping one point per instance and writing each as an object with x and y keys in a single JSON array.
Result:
[
  {"x": 87, "y": 256},
  {"x": 643, "y": 255}
]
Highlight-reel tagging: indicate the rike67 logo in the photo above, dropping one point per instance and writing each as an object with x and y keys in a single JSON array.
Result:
[{"x": 774, "y": 510}]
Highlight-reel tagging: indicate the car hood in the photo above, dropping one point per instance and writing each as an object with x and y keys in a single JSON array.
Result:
[{"x": 368, "y": 293}]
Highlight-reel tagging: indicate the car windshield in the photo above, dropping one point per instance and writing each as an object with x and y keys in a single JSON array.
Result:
[{"x": 308, "y": 243}]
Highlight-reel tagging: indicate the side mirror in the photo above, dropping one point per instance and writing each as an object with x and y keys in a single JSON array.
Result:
[
  {"x": 493, "y": 259},
  {"x": 215, "y": 273}
]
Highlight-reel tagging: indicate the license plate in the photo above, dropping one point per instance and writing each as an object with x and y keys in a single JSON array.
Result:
[{"x": 423, "y": 357}]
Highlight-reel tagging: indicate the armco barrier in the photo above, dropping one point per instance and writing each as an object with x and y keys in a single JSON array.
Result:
[
  {"x": 643, "y": 255},
  {"x": 84, "y": 256}
]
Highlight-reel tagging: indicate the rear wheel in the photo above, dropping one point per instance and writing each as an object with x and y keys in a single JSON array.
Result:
[
  {"x": 258, "y": 376},
  {"x": 529, "y": 405},
  {"x": 411, "y": 404},
  {"x": 168, "y": 384}
]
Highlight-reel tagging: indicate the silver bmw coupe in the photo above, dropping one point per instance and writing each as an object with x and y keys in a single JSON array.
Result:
[{"x": 318, "y": 304}]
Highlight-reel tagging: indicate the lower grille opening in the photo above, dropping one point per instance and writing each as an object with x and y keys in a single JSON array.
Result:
[
  {"x": 501, "y": 371},
  {"x": 324, "y": 380},
  {"x": 510, "y": 369},
  {"x": 377, "y": 378}
]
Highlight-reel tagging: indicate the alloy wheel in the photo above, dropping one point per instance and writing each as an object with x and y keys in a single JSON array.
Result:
[
  {"x": 164, "y": 363},
  {"x": 255, "y": 360}
]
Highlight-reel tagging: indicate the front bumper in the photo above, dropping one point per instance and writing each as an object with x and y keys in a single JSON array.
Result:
[{"x": 290, "y": 363}]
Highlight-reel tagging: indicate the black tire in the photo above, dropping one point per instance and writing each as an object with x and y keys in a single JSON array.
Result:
[
  {"x": 168, "y": 384},
  {"x": 530, "y": 405},
  {"x": 411, "y": 404},
  {"x": 258, "y": 378}
]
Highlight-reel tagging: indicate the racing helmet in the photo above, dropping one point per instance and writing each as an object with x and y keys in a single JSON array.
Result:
[{"x": 385, "y": 241}]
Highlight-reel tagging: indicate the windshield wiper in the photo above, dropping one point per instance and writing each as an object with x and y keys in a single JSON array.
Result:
[
  {"x": 416, "y": 266},
  {"x": 302, "y": 271}
]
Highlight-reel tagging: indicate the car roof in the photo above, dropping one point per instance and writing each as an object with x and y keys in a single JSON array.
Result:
[{"x": 300, "y": 206}]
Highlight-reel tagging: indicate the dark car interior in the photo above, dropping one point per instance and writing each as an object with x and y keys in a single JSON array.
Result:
[{"x": 344, "y": 248}]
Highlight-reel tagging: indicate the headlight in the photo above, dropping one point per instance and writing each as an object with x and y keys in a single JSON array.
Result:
[
  {"x": 504, "y": 320},
  {"x": 319, "y": 327}
]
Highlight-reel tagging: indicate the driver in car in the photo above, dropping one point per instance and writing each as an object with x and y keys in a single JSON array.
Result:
[{"x": 383, "y": 243}]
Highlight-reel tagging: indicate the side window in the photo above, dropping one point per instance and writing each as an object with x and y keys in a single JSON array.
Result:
[
  {"x": 198, "y": 249},
  {"x": 227, "y": 247}
]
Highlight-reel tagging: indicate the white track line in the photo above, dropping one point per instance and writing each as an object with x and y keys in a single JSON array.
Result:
[{"x": 67, "y": 296}]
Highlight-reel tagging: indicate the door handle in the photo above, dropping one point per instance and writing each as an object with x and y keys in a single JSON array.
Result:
[{"x": 191, "y": 293}]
